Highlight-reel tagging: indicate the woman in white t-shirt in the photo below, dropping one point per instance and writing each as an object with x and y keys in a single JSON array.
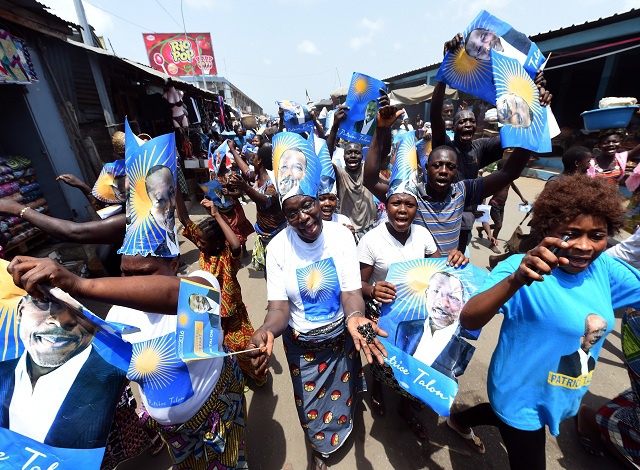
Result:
[
  {"x": 395, "y": 241},
  {"x": 315, "y": 303}
]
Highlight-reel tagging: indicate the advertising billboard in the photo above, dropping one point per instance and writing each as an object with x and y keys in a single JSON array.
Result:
[{"x": 180, "y": 54}]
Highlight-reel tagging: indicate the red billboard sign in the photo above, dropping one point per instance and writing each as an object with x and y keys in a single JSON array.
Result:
[{"x": 181, "y": 54}]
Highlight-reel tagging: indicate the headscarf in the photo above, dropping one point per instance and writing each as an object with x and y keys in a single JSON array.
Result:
[
  {"x": 327, "y": 173},
  {"x": 109, "y": 186},
  {"x": 151, "y": 228},
  {"x": 296, "y": 166},
  {"x": 404, "y": 175}
]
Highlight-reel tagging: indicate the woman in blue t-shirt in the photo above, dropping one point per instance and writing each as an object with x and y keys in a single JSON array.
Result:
[{"x": 552, "y": 331}]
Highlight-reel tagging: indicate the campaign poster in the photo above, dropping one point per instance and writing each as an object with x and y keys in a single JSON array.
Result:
[
  {"x": 199, "y": 327},
  {"x": 362, "y": 100},
  {"x": 427, "y": 346},
  {"x": 213, "y": 191},
  {"x": 151, "y": 199},
  {"x": 469, "y": 68},
  {"x": 523, "y": 121},
  {"x": 296, "y": 117},
  {"x": 218, "y": 156},
  {"x": 180, "y": 54},
  {"x": 60, "y": 381}
]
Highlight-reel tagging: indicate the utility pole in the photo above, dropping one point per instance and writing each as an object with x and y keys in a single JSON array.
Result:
[{"x": 95, "y": 69}]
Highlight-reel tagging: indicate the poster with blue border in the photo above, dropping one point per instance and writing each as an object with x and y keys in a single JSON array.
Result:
[
  {"x": 296, "y": 117},
  {"x": 362, "y": 100},
  {"x": 199, "y": 326},
  {"x": 427, "y": 348},
  {"x": 469, "y": 68},
  {"x": 523, "y": 121},
  {"x": 85, "y": 361}
]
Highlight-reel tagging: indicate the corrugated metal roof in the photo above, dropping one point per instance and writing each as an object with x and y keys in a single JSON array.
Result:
[{"x": 144, "y": 68}]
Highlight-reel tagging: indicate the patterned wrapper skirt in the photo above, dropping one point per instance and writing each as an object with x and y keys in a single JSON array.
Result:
[
  {"x": 214, "y": 437},
  {"x": 326, "y": 373}
]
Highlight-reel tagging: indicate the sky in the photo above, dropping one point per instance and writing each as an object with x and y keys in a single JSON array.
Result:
[{"x": 280, "y": 49}]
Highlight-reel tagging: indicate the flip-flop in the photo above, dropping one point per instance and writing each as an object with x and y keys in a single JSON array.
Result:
[{"x": 473, "y": 441}]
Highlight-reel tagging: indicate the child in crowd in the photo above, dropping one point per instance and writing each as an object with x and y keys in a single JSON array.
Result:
[{"x": 220, "y": 255}]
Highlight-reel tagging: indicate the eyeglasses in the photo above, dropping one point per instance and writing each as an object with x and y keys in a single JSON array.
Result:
[{"x": 307, "y": 207}]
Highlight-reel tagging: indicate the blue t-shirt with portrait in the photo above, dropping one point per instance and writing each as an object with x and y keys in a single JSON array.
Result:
[{"x": 531, "y": 383}]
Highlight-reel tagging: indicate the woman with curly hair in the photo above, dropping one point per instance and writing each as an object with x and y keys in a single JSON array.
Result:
[{"x": 552, "y": 331}]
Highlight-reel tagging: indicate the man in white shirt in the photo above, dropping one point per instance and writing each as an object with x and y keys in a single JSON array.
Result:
[
  {"x": 48, "y": 393},
  {"x": 435, "y": 340}
]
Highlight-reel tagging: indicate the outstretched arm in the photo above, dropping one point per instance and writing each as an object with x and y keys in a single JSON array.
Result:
[
  {"x": 339, "y": 116},
  {"x": 110, "y": 230},
  {"x": 148, "y": 293},
  {"x": 387, "y": 115},
  {"x": 183, "y": 214},
  {"x": 511, "y": 171},
  {"x": 75, "y": 182},
  {"x": 538, "y": 262},
  {"x": 317, "y": 124},
  {"x": 438, "y": 128},
  {"x": 236, "y": 181}
]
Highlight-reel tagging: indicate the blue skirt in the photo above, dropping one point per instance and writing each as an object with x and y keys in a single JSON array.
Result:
[{"x": 326, "y": 373}]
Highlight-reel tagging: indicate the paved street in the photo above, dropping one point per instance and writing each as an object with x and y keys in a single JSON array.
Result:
[{"x": 276, "y": 441}]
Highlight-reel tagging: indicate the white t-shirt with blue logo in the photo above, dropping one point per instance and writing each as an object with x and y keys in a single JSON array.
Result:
[
  {"x": 536, "y": 375},
  {"x": 172, "y": 391},
  {"x": 311, "y": 276}
]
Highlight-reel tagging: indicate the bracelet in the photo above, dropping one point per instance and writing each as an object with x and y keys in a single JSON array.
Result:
[
  {"x": 346, "y": 320},
  {"x": 25, "y": 209}
]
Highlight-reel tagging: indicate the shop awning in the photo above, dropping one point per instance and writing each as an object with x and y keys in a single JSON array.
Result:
[{"x": 417, "y": 94}]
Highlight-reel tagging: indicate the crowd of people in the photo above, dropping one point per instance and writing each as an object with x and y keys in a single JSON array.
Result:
[{"x": 329, "y": 224}]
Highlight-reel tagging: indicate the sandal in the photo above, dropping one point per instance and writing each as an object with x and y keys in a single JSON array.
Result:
[
  {"x": 590, "y": 445},
  {"x": 377, "y": 405},
  {"x": 473, "y": 441},
  {"x": 318, "y": 463}
]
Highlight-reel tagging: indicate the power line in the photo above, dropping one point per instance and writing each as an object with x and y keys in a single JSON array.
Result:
[
  {"x": 120, "y": 17},
  {"x": 167, "y": 12},
  {"x": 282, "y": 77}
]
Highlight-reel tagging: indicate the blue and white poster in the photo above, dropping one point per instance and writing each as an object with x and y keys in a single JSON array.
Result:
[
  {"x": 319, "y": 288},
  {"x": 523, "y": 121},
  {"x": 60, "y": 382},
  {"x": 218, "y": 156},
  {"x": 362, "y": 100},
  {"x": 199, "y": 327},
  {"x": 296, "y": 117},
  {"x": 469, "y": 68},
  {"x": 427, "y": 346},
  {"x": 213, "y": 191}
]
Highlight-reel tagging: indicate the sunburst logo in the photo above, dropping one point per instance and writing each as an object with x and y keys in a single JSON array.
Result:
[
  {"x": 153, "y": 362},
  {"x": 316, "y": 280},
  {"x": 464, "y": 72},
  {"x": 412, "y": 279},
  {"x": 361, "y": 87},
  {"x": 517, "y": 98}
]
